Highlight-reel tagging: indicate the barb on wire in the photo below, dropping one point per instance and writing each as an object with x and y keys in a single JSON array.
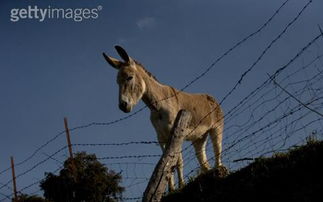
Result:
[
  {"x": 320, "y": 30},
  {"x": 278, "y": 71}
]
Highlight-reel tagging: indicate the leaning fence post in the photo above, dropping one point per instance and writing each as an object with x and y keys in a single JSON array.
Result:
[
  {"x": 13, "y": 179},
  {"x": 163, "y": 170},
  {"x": 69, "y": 145},
  {"x": 68, "y": 138}
]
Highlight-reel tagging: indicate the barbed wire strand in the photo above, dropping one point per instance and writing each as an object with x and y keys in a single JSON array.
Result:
[{"x": 295, "y": 98}]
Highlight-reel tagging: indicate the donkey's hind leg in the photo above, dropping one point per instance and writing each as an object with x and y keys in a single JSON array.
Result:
[
  {"x": 199, "y": 146},
  {"x": 216, "y": 137}
]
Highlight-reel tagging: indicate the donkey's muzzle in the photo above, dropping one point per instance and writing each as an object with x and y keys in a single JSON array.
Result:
[{"x": 124, "y": 106}]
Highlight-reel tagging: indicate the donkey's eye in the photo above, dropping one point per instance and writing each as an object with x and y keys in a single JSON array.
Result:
[{"x": 129, "y": 78}]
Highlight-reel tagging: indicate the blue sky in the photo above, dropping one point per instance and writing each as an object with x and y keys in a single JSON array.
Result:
[{"x": 53, "y": 69}]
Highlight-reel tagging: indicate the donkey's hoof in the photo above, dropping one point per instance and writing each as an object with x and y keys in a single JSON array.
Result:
[
  {"x": 221, "y": 171},
  {"x": 181, "y": 185},
  {"x": 171, "y": 188}
]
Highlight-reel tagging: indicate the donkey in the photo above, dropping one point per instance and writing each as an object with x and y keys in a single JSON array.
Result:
[{"x": 164, "y": 102}]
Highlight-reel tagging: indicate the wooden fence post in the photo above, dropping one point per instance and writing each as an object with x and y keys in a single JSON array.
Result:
[
  {"x": 68, "y": 138},
  {"x": 69, "y": 144},
  {"x": 163, "y": 170},
  {"x": 14, "y": 179}
]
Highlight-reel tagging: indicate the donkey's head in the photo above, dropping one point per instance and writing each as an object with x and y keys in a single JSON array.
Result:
[{"x": 130, "y": 80}]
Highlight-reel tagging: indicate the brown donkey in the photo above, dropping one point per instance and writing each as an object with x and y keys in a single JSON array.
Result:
[{"x": 164, "y": 102}]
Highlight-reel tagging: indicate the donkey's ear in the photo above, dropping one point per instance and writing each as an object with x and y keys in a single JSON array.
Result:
[
  {"x": 123, "y": 54},
  {"x": 112, "y": 61}
]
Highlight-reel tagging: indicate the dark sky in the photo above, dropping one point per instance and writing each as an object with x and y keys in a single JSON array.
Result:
[{"x": 54, "y": 69}]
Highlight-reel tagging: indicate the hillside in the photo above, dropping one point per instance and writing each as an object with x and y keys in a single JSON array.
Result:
[{"x": 293, "y": 176}]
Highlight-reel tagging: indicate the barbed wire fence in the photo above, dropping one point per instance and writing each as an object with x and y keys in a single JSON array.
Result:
[
  {"x": 278, "y": 114},
  {"x": 198, "y": 77}
]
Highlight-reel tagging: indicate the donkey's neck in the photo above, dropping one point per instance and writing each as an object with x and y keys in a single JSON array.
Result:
[{"x": 154, "y": 94}]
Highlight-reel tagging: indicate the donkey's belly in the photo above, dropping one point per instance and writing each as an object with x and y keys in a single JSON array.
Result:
[
  {"x": 163, "y": 125},
  {"x": 195, "y": 133}
]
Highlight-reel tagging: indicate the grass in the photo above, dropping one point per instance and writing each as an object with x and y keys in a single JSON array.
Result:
[{"x": 296, "y": 175}]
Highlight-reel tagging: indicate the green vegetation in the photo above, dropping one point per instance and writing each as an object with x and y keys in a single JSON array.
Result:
[
  {"x": 82, "y": 179},
  {"x": 293, "y": 176}
]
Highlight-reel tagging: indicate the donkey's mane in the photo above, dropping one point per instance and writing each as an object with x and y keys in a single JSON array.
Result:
[{"x": 147, "y": 72}]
